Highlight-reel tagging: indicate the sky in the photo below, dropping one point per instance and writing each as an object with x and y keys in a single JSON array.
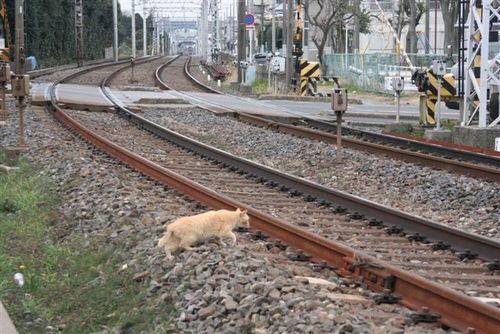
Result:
[{"x": 126, "y": 5}]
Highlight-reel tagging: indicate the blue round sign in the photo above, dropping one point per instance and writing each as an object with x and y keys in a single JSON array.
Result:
[{"x": 249, "y": 19}]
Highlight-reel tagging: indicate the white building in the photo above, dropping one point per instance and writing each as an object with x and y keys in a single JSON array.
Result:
[{"x": 381, "y": 38}]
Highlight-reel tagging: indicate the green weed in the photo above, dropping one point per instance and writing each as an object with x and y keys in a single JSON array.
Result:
[
  {"x": 72, "y": 285},
  {"x": 259, "y": 86}
]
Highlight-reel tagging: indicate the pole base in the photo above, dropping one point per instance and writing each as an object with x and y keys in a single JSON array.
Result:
[{"x": 13, "y": 152}]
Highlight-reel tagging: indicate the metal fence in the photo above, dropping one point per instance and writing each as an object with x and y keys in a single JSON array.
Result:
[{"x": 372, "y": 71}]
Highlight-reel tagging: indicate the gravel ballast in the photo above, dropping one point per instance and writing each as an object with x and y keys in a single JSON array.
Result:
[
  {"x": 462, "y": 202},
  {"x": 249, "y": 287}
]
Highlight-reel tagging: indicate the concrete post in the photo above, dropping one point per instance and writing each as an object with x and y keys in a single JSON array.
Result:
[
  {"x": 115, "y": 29},
  {"x": 133, "y": 30},
  {"x": 241, "y": 38}
]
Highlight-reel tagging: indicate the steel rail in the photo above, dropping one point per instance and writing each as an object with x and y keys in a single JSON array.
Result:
[
  {"x": 407, "y": 142},
  {"x": 49, "y": 70},
  {"x": 486, "y": 248},
  {"x": 160, "y": 83},
  {"x": 196, "y": 81},
  {"x": 456, "y": 310},
  {"x": 461, "y": 167}
]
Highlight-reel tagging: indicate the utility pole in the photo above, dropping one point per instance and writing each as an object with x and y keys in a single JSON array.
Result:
[
  {"x": 133, "y": 30},
  {"x": 204, "y": 29},
  {"x": 262, "y": 38},
  {"x": 289, "y": 45},
  {"x": 242, "y": 43},
  {"x": 79, "y": 32},
  {"x": 356, "y": 25},
  {"x": 273, "y": 28},
  {"x": 115, "y": 29},
  {"x": 144, "y": 33},
  {"x": 20, "y": 85},
  {"x": 427, "y": 26}
]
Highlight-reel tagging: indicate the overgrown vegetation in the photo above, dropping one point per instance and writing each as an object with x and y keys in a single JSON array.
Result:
[
  {"x": 74, "y": 285},
  {"x": 411, "y": 131},
  {"x": 50, "y": 29},
  {"x": 259, "y": 86}
]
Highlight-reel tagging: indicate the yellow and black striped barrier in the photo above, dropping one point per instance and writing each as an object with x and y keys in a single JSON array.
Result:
[
  {"x": 307, "y": 70},
  {"x": 430, "y": 115},
  {"x": 448, "y": 94}
]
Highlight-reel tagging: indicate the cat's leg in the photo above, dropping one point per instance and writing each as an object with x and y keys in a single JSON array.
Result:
[
  {"x": 231, "y": 236},
  {"x": 168, "y": 253},
  {"x": 221, "y": 242},
  {"x": 171, "y": 245},
  {"x": 186, "y": 244}
]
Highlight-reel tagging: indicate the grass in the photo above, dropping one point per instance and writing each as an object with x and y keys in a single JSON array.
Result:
[
  {"x": 411, "y": 131},
  {"x": 73, "y": 285},
  {"x": 449, "y": 124},
  {"x": 259, "y": 86}
]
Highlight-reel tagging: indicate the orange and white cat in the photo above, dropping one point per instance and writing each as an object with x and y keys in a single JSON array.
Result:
[{"x": 185, "y": 231}]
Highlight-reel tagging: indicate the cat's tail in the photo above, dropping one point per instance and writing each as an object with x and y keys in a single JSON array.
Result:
[{"x": 163, "y": 241}]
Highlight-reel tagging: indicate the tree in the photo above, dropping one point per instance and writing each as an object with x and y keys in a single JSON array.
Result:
[
  {"x": 411, "y": 39},
  {"x": 408, "y": 12},
  {"x": 50, "y": 29},
  {"x": 323, "y": 15},
  {"x": 450, "y": 10}
]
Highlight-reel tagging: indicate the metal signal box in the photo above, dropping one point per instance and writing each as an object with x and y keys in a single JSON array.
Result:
[
  {"x": 339, "y": 99},
  {"x": 398, "y": 84},
  {"x": 439, "y": 67},
  {"x": 21, "y": 86},
  {"x": 4, "y": 72}
]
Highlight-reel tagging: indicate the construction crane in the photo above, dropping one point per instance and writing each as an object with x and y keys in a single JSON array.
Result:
[{"x": 5, "y": 35}]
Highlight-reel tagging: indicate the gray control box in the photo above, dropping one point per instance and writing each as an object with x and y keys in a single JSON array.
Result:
[
  {"x": 439, "y": 67},
  {"x": 21, "y": 86},
  {"x": 398, "y": 84},
  {"x": 339, "y": 99}
]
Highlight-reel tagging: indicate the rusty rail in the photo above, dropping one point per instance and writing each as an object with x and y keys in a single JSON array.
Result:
[
  {"x": 160, "y": 83},
  {"x": 465, "y": 168},
  {"x": 456, "y": 310},
  {"x": 428, "y": 147},
  {"x": 196, "y": 81},
  {"x": 461, "y": 167}
]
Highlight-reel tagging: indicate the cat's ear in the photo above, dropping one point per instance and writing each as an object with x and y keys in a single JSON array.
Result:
[
  {"x": 238, "y": 210},
  {"x": 242, "y": 212}
]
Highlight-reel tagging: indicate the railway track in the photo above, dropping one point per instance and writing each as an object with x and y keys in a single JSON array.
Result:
[
  {"x": 304, "y": 217},
  {"x": 440, "y": 157}
]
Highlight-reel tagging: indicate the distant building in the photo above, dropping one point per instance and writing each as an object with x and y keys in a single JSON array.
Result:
[{"x": 381, "y": 39}]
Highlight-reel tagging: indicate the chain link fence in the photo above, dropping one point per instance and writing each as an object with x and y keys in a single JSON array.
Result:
[{"x": 372, "y": 71}]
